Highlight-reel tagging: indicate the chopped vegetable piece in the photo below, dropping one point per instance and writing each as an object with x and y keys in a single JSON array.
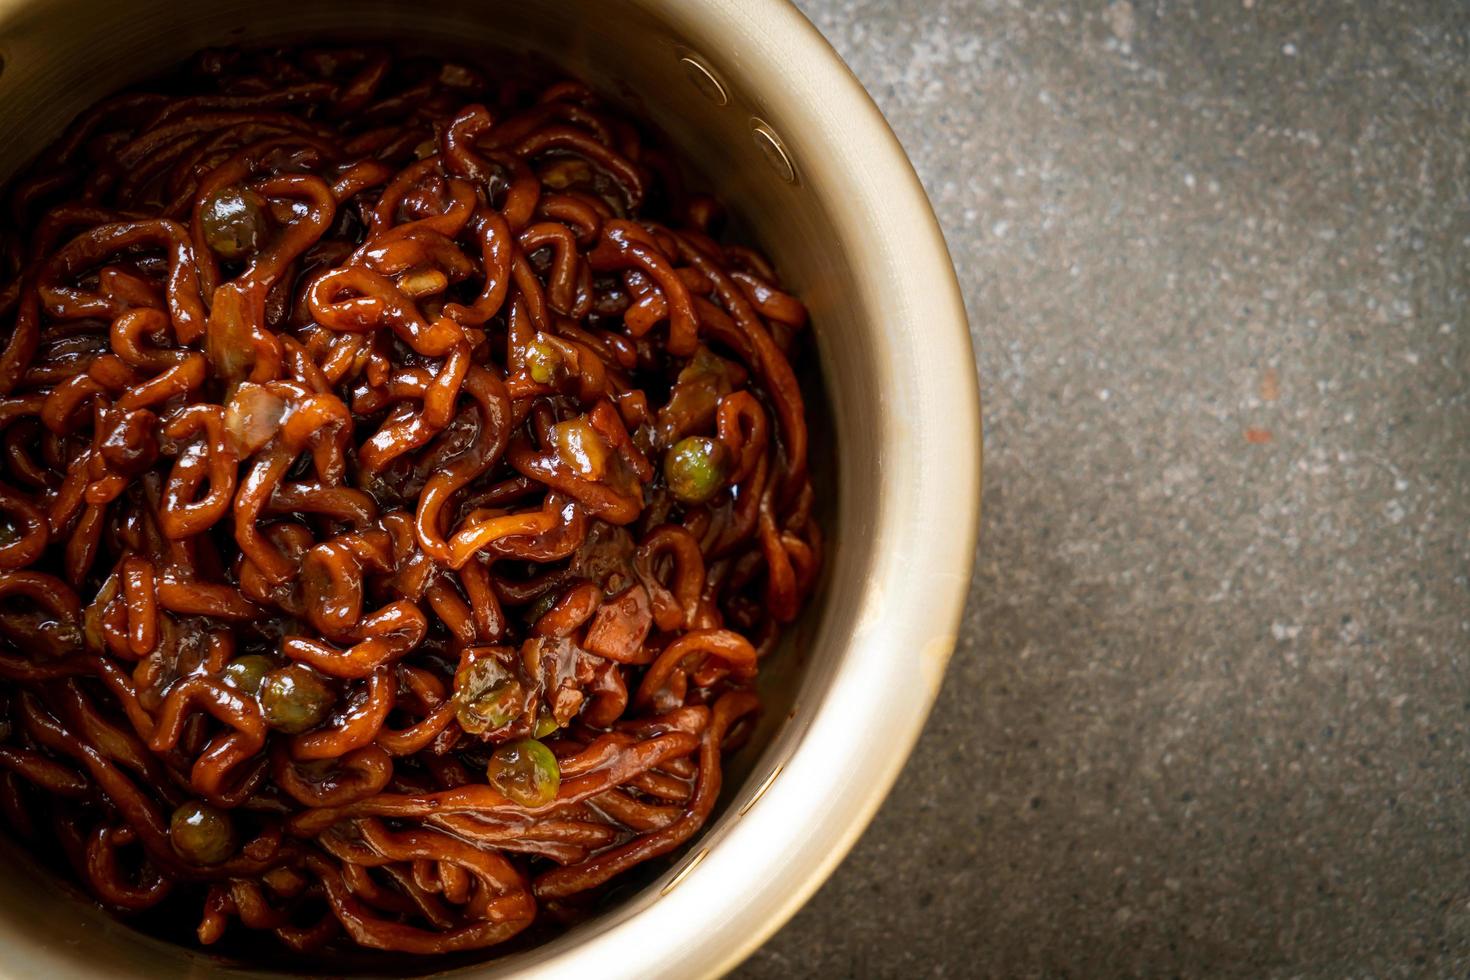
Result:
[
  {"x": 487, "y": 696},
  {"x": 253, "y": 416},
  {"x": 580, "y": 447},
  {"x": 696, "y": 395},
  {"x": 543, "y": 361},
  {"x": 545, "y": 725}
]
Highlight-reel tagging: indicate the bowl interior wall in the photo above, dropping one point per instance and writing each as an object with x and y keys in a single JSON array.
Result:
[{"x": 62, "y": 56}]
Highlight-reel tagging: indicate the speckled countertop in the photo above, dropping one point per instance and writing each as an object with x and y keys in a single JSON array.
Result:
[{"x": 1209, "y": 712}]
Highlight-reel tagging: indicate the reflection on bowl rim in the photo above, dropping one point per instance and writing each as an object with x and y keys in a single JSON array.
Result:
[
  {"x": 784, "y": 841},
  {"x": 755, "y": 866}
]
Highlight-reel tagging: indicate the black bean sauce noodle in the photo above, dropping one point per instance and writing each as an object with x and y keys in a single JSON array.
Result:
[{"x": 400, "y": 490}]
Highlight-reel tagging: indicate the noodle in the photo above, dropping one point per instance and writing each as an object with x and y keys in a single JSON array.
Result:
[{"x": 400, "y": 490}]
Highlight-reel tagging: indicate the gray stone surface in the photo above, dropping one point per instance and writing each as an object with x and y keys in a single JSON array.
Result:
[{"x": 1209, "y": 713}]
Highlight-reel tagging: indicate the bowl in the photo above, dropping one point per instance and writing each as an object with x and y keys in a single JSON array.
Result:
[{"x": 772, "y": 121}]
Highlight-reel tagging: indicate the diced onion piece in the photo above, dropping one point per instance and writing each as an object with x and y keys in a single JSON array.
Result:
[
  {"x": 253, "y": 416},
  {"x": 580, "y": 447}
]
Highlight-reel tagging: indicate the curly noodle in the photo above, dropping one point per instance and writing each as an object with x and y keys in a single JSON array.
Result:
[{"x": 393, "y": 514}]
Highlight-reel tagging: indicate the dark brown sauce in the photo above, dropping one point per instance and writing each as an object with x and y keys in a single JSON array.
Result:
[{"x": 401, "y": 487}]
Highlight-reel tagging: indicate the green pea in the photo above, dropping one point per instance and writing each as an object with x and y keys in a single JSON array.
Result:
[
  {"x": 525, "y": 772},
  {"x": 695, "y": 468},
  {"x": 234, "y": 221},
  {"x": 247, "y": 673},
  {"x": 543, "y": 361},
  {"x": 295, "y": 698},
  {"x": 201, "y": 834}
]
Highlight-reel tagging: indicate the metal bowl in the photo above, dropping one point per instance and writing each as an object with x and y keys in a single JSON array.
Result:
[{"x": 779, "y": 129}]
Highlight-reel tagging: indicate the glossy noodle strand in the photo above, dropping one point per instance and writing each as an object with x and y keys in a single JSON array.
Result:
[{"x": 401, "y": 487}]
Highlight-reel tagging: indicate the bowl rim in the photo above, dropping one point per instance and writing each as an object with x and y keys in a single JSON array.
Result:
[
  {"x": 800, "y": 827},
  {"x": 737, "y": 889}
]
